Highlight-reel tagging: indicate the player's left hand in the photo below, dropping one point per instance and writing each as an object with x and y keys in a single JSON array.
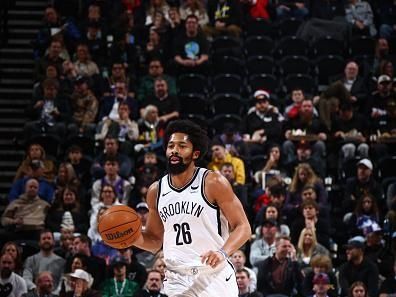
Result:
[{"x": 212, "y": 258}]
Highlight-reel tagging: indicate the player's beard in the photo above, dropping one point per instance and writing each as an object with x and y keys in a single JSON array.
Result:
[{"x": 178, "y": 168}]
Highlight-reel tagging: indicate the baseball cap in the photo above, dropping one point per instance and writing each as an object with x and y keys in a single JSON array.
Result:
[
  {"x": 81, "y": 274},
  {"x": 367, "y": 163},
  {"x": 354, "y": 243},
  {"x": 142, "y": 206},
  {"x": 261, "y": 94},
  {"x": 321, "y": 278},
  {"x": 384, "y": 78},
  {"x": 118, "y": 261}
]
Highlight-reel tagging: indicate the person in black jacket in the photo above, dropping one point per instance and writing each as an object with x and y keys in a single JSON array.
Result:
[
  {"x": 153, "y": 286},
  {"x": 280, "y": 274},
  {"x": 243, "y": 280}
]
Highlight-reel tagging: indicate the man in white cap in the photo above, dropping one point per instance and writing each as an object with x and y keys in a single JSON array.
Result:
[
  {"x": 261, "y": 126},
  {"x": 361, "y": 184},
  {"x": 379, "y": 98},
  {"x": 80, "y": 282}
]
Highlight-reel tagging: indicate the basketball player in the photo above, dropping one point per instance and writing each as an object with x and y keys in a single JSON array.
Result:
[{"x": 190, "y": 212}]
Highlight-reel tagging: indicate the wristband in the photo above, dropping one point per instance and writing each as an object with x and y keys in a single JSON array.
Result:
[{"x": 223, "y": 252}]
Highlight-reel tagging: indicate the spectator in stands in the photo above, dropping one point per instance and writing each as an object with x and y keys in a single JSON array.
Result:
[
  {"x": 386, "y": 67},
  {"x": 231, "y": 137},
  {"x": 292, "y": 111},
  {"x": 280, "y": 274},
  {"x": 51, "y": 72},
  {"x": 264, "y": 246},
  {"x": 64, "y": 249},
  {"x": 360, "y": 17},
  {"x": 386, "y": 20},
  {"x": 146, "y": 85},
  {"x": 153, "y": 7},
  {"x": 272, "y": 212},
  {"x": 108, "y": 198},
  {"x": 381, "y": 53},
  {"x": 366, "y": 209},
  {"x": 303, "y": 176},
  {"x": 110, "y": 104},
  {"x": 147, "y": 173},
  {"x": 152, "y": 287},
  {"x": 350, "y": 130},
  {"x": 11, "y": 283},
  {"x": 244, "y": 281},
  {"x": 241, "y": 191},
  {"x": 197, "y": 8},
  {"x": 261, "y": 127},
  {"x": 81, "y": 164},
  {"x": 44, "y": 286},
  {"x": 79, "y": 261},
  {"x": 95, "y": 265},
  {"x": 46, "y": 189},
  {"x": 84, "y": 64},
  {"x": 95, "y": 14},
  {"x": 388, "y": 287},
  {"x": 111, "y": 150},
  {"x": 379, "y": 99},
  {"x": 126, "y": 130},
  {"x": 364, "y": 182},
  {"x": 49, "y": 114},
  {"x": 121, "y": 186},
  {"x": 320, "y": 264},
  {"x": 321, "y": 285},
  {"x": 168, "y": 105},
  {"x": 25, "y": 216},
  {"x": 95, "y": 40},
  {"x": 310, "y": 218},
  {"x": 292, "y": 8},
  {"x": 12, "y": 248},
  {"x": 377, "y": 251},
  {"x": 191, "y": 49},
  {"x": 135, "y": 271},
  {"x": 81, "y": 282},
  {"x": 151, "y": 131},
  {"x": 383, "y": 126},
  {"x": 157, "y": 44},
  {"x": 124, "y": 50},
  {"x": 310, "y": 125},
  {"x": 120, "y": 285},
  {"x": 256, "y": 9},
  {"x": 358, "y": 289},
  {"x": 44, "y": 260},
  {"x": 358, "y": 268},
  {"x": 85, "y": 108},
  {"x": 66, "y": 177},
  {"x": 238, "y": 259},
  {"x": 36, "y": 151},
  {"x": 118, "y": 74},
  {"x": 54, "y": 24},
  {"x": 224, "y": 17},
  {"x": 67, "y": 213},
  {"x": 68, "y": 77},
  {"x": 53, "y": 57},
  {"x": 308, "y": 247},
  {"x": 220, "y": 156}
]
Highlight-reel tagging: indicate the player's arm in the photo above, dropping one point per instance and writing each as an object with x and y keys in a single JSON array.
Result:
[
  {"x": 152, "y": 237},
  {"x": 219, "y": 191}
]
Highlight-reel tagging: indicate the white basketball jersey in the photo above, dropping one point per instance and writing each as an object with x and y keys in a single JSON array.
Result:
[{"x": 192, "y": 224}]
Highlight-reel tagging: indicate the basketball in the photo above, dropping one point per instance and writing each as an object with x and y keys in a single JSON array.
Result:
[{"x": 119, "y": 226}]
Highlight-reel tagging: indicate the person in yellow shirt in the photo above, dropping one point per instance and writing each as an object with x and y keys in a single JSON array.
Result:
[{"x": 220, "y": 156}]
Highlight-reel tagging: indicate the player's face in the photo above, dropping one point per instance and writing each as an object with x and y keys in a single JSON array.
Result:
[{"x": 180, "y": 153}]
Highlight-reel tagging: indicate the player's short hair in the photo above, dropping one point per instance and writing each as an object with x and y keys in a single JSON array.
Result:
[{"x": 196, "y": 135}]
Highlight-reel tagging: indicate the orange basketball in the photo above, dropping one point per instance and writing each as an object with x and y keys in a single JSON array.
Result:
[{"x": 119, "y": 226}]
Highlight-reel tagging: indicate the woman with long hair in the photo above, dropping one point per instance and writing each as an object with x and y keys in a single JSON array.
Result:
[
  {"x": 366, "y": 210},
  {"x": 358, "y": 289},
  {"x": 67, "y": 212},
  {"x": 35, "y": 152},
  {"x": 304, "y": 175},
  {"x": 308, "y": 247},
  {"x": 66, "y": 177},
  {"x": 15, "y": 252}
]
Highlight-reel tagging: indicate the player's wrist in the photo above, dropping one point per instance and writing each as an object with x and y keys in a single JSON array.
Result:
[{"x": 223, "y": 252}]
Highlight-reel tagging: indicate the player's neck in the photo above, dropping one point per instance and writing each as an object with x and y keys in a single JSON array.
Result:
[{"x": 180, "y": 180}]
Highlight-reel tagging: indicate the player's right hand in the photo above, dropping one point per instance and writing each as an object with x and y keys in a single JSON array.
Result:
[{"x": 212, "y": 258}]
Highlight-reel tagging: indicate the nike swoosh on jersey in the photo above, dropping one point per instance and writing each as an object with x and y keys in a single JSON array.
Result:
[{"x": 164, "y": 194}]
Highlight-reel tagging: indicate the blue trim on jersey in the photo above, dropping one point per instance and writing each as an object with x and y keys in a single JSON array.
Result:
[
  {"x": 179, "y": 190},
  {"x": 203, "y": 191}
]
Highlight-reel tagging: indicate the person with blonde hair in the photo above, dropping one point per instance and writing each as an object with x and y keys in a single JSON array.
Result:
[
  {"x": 320, "y": 263},
  {"x": 308, "y": 247}
]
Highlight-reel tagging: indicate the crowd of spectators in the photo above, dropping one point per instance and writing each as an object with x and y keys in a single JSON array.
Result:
[{"x": 311, "y": 164}]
